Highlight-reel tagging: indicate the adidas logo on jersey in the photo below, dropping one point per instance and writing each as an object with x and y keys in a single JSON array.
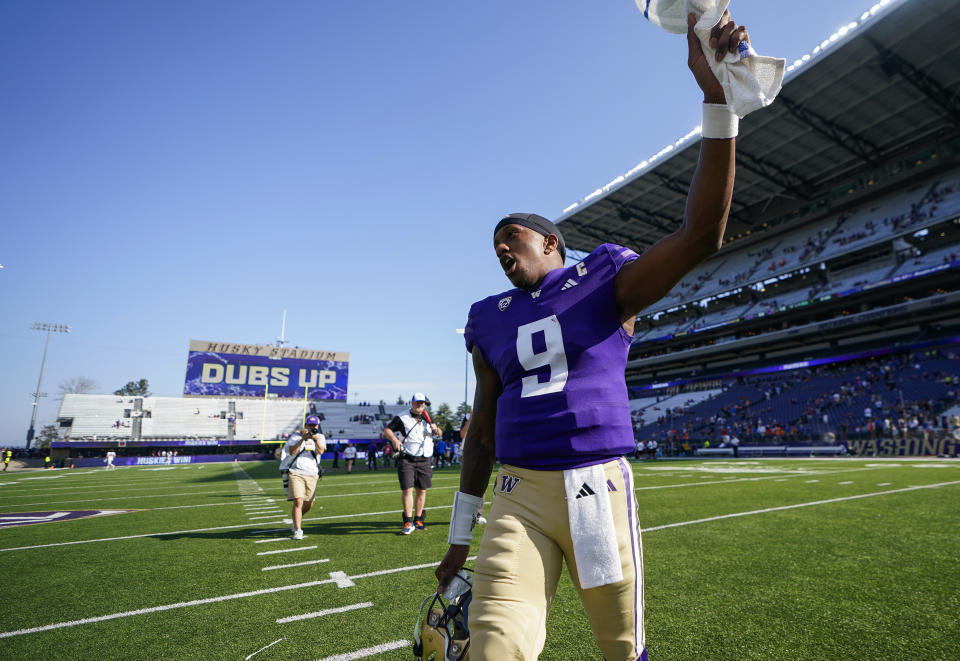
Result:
[
  {"x": 568, "y": 284},
  {"x": 535, "y": 294},
  {"x": 585, "y": 491}
]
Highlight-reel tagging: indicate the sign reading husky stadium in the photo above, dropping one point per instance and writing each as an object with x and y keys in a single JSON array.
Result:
[{"x": 221, "y": 369}]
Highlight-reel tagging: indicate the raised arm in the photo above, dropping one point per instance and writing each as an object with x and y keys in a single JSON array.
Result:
[
  {"x": 646, "y": 280},
  {"x": 479, "y": 454}
]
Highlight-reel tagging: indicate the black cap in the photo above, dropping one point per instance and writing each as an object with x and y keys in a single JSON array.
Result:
[{"x": 538, "y": 224}]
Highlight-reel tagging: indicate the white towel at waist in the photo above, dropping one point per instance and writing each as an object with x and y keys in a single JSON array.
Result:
[
  {"x": 592, "y": 529},
  {"x": 749, "y": 81}
]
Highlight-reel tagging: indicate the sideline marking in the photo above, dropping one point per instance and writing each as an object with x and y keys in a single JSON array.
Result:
[
  {"x": 329, "y": 611},
  {"x": 297, "y": 564},
  {"x": 247, "y": 658},
  {"x": 272, "y": 539},
  {"x": 300, "y": 548},
  {"x": 368, "y": 651},
  {"x": 269, "y": 516}
]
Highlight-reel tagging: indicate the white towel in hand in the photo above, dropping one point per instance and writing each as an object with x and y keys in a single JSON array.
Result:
[
  {"x": 591, "y": 527},
  {"x": 749, "y": 81}
]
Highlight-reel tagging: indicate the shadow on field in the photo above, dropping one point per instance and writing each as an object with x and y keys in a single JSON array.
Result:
[
  {"x": 242, "y": 533},
  {"x": 348, "y": 527}
]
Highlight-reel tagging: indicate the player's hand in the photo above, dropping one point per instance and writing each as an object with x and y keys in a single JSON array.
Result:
[
  {"x": 452, "y": 562},
  {"x": 725, "y": 37}
]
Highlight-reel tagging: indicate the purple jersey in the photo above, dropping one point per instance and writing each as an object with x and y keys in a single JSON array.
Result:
[{"x": 561, "y": 353}]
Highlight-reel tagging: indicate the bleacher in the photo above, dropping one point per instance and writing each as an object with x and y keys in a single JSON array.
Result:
[
  {"x": 901, "y": 213},
  {"x": 681, "y": 400},
  {"x": 817, "y": 402},
  {"x": 205, "y": 417}
]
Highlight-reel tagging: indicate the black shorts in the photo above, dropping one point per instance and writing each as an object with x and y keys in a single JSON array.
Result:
[{"x": 414, "y": 472}]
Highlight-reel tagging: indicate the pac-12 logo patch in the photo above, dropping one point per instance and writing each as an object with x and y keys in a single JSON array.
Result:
[
  {"x": 504, "y": 303},
  {"x": 508, "y": 483}
]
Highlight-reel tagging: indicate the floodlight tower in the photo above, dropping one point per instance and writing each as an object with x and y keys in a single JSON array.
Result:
[{"x": 50, "y": 328}]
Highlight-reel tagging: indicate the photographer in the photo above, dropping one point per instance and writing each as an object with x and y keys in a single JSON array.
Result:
[
  {"x": 414, "y": 448},
  {"x": 303, "y": 465}
]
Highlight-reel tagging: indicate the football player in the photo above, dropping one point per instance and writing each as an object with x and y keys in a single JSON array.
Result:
[{"x": 551, "y": 405}]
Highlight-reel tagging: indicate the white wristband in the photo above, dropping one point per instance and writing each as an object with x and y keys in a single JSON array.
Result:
[
  {"x": 463, "y": 518},
  {"x": 719, "y": 122}
]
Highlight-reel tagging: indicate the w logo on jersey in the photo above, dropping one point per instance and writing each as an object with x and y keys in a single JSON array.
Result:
[{"x": 508, "y": 483}]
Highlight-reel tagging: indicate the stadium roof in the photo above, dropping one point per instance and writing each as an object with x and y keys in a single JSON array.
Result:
[{"x": 878, "y": 90}]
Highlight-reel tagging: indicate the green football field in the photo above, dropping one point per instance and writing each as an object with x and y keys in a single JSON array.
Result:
[{"x": 769, "y": 559}]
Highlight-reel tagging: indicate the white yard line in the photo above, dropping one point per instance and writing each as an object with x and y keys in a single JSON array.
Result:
[
  {"x": 91, "y": 500},
  {"x": 329, "y": 611},
  {"x": 299, "y": 548},
  {"x": 297, "y": 564},
  {"x": 297, "y": 586},
  {"x": 153, "y": 534},
  {"x": 377, "y": 493},
  {"x": 269, "y": 516},
  {"x": 799, "y": 505},
  {"x": 272, "y": 539},
  {"x": 775, "y": 478},
  {"x": 50, "y": 492},
  {"x": 368, "y": 651},
  {"x": 183, "y": 507},
  {"x": 247, "y": 658}
]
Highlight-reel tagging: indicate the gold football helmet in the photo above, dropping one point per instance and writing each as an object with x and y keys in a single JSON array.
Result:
[{"x": 442, "y": 634}]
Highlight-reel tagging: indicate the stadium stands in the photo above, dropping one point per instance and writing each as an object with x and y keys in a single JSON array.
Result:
[
  {"x": 900, "y": 214},
  {"x": 859, "y": 399},
  {"x": 111, "y": 417},
  {"x": 704, "y": 301}
]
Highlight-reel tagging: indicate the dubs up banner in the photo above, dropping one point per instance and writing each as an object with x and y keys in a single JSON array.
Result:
[{"x": 221, "y": 369}]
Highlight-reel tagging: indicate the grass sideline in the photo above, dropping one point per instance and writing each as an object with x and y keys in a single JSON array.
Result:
[{"x": 773, "y": 559}]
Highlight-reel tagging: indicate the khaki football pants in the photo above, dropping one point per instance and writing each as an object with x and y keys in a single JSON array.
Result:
[{"x": 525, "y": 542}]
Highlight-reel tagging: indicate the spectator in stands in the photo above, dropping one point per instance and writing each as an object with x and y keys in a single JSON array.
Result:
[{"x": 414, "y": 447}]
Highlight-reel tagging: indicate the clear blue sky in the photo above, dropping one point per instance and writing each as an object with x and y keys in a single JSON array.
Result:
[{"x": 187, "y": 170}]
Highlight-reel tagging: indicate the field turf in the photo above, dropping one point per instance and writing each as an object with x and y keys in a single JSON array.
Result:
[{"x": 770, "y": 559}]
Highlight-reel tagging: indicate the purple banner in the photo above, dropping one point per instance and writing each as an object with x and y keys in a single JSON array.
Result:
[
  {"x": 94, "y": 462},
  {"x": 215, "y": 373},
  {"x": 121, "y": 443}
]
